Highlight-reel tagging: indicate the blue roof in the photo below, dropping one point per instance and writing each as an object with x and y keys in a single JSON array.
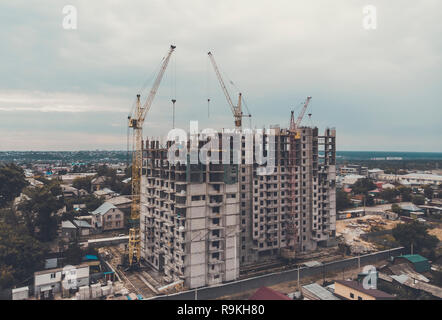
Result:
[{"x": 90, "y": 257}]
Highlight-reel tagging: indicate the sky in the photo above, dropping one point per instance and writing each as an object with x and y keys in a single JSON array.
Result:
[{"x": 72, "y": 89}]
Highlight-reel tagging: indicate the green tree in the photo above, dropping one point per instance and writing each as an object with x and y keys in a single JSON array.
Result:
[
  {"x": 39, "y": 213},
  {"x": 415, "y": 233},
  {"x": 389, "y": 194},
  {"x": 428, "y": 192},
  {"x": 342, "y": 200},
  {"x": 82, "y": 183},
  {"x": 73, "y": 254},
  {"x": 395, "y": 208},
  {"x": 92, "y": 202},
  {"x": 20, "y": 254},
  {"x": 418, "y": 200},
  {"x": 105, "y": 171},
  {"x": 12, "y": 182},
  {"x": 362, "y": 186},
  {"x": 405, "y": 193}
]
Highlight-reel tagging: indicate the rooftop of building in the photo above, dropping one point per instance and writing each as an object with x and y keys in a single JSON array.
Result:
[
  {"x": 265, "y": 293},
  {"x": 103, "y": 209},
  {"x": 359, "y": 287}
]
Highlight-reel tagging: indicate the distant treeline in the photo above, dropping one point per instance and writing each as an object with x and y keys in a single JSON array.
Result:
[
  {"x": 65, "y": 157},
  {"x": 395, "y": 166}
]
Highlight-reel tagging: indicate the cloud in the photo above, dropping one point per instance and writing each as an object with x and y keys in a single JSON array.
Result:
[
  {"x": 23, "y": 101},
  {"x": 365, "y": 83}
]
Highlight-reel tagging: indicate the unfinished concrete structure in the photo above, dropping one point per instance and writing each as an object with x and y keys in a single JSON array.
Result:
[
  {"x": 189, "y": 219},
  {"x": 304, "y": 187},
  {"x": 200, "y": 222}
]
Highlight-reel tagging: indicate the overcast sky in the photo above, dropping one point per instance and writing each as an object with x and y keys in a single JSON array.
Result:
[{"x": 73, "y": 89}]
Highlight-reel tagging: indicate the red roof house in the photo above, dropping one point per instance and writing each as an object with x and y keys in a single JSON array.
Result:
[{"x": 265, "y": 293}]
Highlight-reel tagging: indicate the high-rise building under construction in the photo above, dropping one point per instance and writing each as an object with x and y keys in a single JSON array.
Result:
[{"x": 200, "y": 222}]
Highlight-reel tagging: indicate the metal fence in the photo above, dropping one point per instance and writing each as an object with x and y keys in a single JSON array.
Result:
[{"x": 271, "y": 279}]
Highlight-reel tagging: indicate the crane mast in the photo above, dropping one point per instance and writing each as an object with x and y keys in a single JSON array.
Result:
[
  {"x": 136, "y": 122},
  {"x": 292, "y": 243},
  {"x": 236, "y": 110}
]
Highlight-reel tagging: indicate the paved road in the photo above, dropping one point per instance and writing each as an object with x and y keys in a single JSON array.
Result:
[{"x": 235, "y": 287}]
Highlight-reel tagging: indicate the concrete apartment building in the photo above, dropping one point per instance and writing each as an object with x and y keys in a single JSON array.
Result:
[
  {"x": 189, "y": 219},
  {"x": 201, "y": 222},
  {"x": 305, "y": 189}
]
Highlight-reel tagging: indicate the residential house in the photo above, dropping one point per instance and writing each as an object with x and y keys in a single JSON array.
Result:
[
  {"x": 49, "y": 282},
  {"x": 417, "y": 262},
  {"x": 83, "y": 227},
  {"x": 68, "y": 230},
  {"x": 69, "y": 192},
  {"x": 106, "y": 193},
  {"x": 98, "y": 183},
  {"x": 314, "y": 291},
  {"x": 122, "y": 203},
  {"x": 107, "y": 217},
  {"x": 354, "y": 290}
]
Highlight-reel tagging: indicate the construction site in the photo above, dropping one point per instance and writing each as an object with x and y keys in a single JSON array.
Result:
[
  {"x": 230, "y": 214},
  {"x": 216, "y": 208}
]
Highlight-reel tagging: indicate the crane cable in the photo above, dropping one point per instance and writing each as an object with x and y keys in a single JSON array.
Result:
[
  {"x": 132, "y": 109},
  {"x": 208, "y": 87}
]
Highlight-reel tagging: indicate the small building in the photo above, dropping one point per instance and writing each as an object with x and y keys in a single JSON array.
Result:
[
  {"x": 49, "y": 282},
  {"x": 98, "y": 183},
  {"x": 374, "y": 173},
  {"x": 409, "y": 209},
  {"x": 20, "y": 293},
  {"x": 351, "y": 179},
  {"x": 386, "y": 186},
  {"x": 348, "y": 214},
  {"x": 417, "y": 262},
  {"x": 106, "y": 193},
  {"x": 69, "y": 192},
  {"x": 84, "y": 228},
  {"x": 107, "y": 217},
  {"x": 122, "y": 203},
  {"x": 353, "y": 290},
  {"x": 314, "y": 291},
  {"x": 265, "y": 293},
  {"x": 68, "y": 230}
]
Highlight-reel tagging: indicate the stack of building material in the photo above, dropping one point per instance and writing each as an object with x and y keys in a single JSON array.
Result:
[
  {"x": 84, "y": 293},
  {"x": 95, "y": 291},
  {"x": 20, "y": 293},
  {"x": 118, "y": 286},
  {"x": 106, "y": 290}
]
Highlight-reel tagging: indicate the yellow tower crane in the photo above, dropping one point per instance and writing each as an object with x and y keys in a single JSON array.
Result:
[
  {"x": 136, "y": 121},
  {"x": 295, "y": 125},
  {"x": 236, "y": 110}
]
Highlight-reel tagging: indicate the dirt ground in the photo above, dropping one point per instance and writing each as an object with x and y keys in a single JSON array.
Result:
[
  {"x": 436, "y": 232},
  {"x": 351, "y": 230}
]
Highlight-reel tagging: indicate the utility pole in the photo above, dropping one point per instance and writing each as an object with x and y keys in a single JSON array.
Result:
[
  {"x": 412, "y": 248},
  {"x": 299, "y": 287}
]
